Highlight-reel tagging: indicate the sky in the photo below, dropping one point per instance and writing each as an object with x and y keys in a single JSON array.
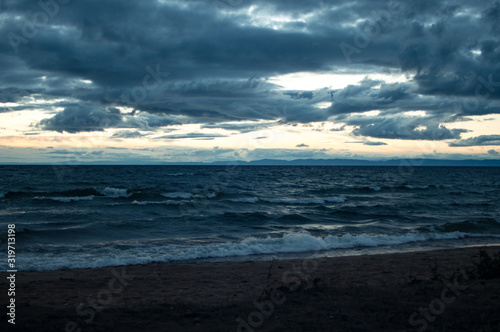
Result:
[{"x": 138, "y": 82}]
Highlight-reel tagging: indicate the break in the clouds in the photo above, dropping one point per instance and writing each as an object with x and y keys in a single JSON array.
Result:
[{"x": 389, "y": 70}]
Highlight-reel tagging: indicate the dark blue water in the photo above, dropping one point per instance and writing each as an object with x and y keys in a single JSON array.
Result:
[{"x": 89, "y": 216}]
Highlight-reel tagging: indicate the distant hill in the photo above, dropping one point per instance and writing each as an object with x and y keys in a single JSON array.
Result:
[
  {"x": 361, "y": 162},
  {"x": 305, "y": 162}
]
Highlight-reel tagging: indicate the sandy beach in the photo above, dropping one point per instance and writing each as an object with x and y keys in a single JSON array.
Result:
[{"x": 414, "y": 291}]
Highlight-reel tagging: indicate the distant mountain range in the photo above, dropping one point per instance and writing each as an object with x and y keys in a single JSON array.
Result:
[
  {"x": 361, "y": 162},
  {"x": 308, "y": 162}
]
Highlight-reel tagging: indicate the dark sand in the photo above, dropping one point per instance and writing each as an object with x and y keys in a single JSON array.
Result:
[{"x": 358, "y": 293}]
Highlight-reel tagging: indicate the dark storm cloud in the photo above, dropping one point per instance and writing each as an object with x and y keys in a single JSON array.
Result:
[
  {"x": 12, "y": 94},
  {"x": 207, "y": 62},
  {"x": 90, "y": 117},
  {"x": 80, "y": 118},
  {"x": 483, "y": 140},
  {"x": 394, "y": 101},
  {"x": 374, "y": 143},
  {"x": 405, "y": 128},
  {"x": 192, "y": 135},
  {"x": 127, "y": 134},
  {"x": 241, "y": 127}
]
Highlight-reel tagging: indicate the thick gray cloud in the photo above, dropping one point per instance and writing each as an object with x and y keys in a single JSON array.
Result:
[
  {"x": 405, "y": 128},
  {"x": 199, "y": 136},
  {"x": 240, "y": 127},
  {"x": 483, "y": 140},
  {"x": 127, "y": 134},
  {"x": 208, "y": 62},
  {"x": 90, "y": 117},
  {"x": 80, "y": 118},
  {"x": 374, "y": 143}
]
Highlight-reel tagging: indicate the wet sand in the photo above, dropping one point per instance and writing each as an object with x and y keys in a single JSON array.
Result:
[{"x": 414, "y": 291}]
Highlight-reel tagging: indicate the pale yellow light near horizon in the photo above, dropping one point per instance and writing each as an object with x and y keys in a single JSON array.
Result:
[
  {"x": 314, "y": 135},
  {"x": 17, "y": 128}
]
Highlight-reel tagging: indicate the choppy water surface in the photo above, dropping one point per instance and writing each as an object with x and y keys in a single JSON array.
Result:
[{"x": 88, "y": 216}]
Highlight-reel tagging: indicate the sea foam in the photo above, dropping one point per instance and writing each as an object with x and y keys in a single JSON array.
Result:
[
  {"x": 308, "y": 200},
  {"x": 66, "y": 199},
  {"x": 115, "y": 193},
  {"x": 303, "y": 242}
]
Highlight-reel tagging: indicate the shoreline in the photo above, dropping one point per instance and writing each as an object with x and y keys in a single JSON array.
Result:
[
  {"x": 135, "y": 292},
  {"x": 313, "y": 254}
]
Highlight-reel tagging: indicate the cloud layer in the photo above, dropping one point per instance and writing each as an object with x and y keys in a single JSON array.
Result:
[{"x": 144, "y": 65}]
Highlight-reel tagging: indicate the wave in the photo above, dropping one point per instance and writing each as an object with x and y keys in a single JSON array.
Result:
[
  {"x": 403, "y": 187},
  {"x": 245, "y": 200},
  {"x": 416, "y": 187},
  {"x": 209, "y": 195},
  {"x": 309, "y": 200},
  {"x": 168, "y": 202},
  {"x": 295, "y": 217},
  {"x": 67, "y": 193},
  {"x": 186, "y": 195},
  {"x": 369, "y": 188},
  {"x": 474, "y": 225},
  {"x": 115, "y": 192},
  {"x": 246, "y": 217},
  {"x": 142, "y": 253},
  {"x": 66, "y": 199},
  {"x": 2, "y": 194},
  {"x": 81, "y": 192},
  {"x": 178, "y": 195}
]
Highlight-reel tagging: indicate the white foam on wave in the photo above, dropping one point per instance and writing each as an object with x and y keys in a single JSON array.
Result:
[
  {"x": 304, "y": 242},
  {"x": 185, "y": 195},
  {"x": 168, "y": 202},
  {"x": 66, "y": 199},
  {"x": 211, "y": 195},
  {"x": 245, "y": 200},
  {"x": 115, "y": 192},
  {"x": 416, "y": 187},
  {"x": 178, "y": 195},
  {"x": 309, "y": 200},
  {"x": 142, "y": 253}
]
